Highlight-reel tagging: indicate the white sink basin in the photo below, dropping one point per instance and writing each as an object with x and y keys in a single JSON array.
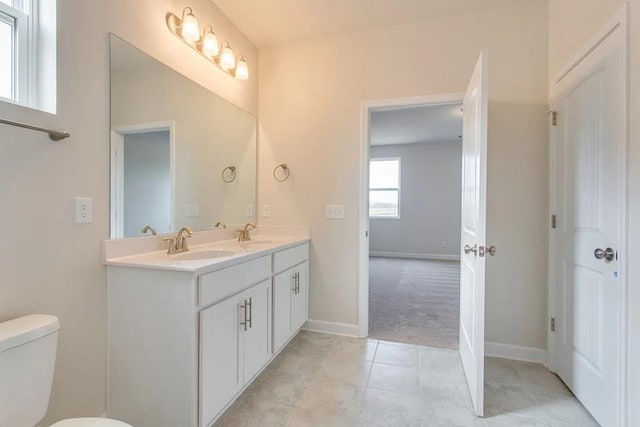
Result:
[{"x": 204, "y": 254}]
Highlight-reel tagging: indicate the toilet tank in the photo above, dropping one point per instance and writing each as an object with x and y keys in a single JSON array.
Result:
[{"x": 27, "y": 360}]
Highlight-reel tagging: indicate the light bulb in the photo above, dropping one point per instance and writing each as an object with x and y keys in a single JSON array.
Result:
[
  {"x": 242, "y": 69},
  {"x": 210, "y": 46},
  {"x": 190, "y": 27},
  {"x": 227, "y": 59}
]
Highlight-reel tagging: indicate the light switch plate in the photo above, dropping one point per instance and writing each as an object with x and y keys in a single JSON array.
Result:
[
  {"x": 249, "y": 211},
  {"x": 266, "y": 211},
  {"x": 334, "y": 211},
  {"x": 83, "y": 210}
]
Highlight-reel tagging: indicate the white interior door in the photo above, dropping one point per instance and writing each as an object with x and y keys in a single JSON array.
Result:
[
  {"x": 472, "y": 264},
  {"x": 589, "y": 199}
]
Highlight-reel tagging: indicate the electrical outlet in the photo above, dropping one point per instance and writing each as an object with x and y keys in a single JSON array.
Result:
[
  {"x": 443, "y": 244},
  {"x": 334, "y": 211},
  {"x": 249, "y": 211},
  {"x": 84, "y": 210},
  {"x": 266, "y": 211}
]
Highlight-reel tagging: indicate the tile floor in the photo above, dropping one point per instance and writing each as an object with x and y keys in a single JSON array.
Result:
[{"x": 324, "y": 380}]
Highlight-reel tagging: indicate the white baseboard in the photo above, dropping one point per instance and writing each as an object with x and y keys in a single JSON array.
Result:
[
  {"x": 436, "y": 257},
  {"x": 331, "y": 328},
  {"x": 515, "y": 352}
]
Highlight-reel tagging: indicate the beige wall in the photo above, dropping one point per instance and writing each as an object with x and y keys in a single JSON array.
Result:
[
  {"x": 571, "y": 25},
  {"x": 47, "y": 263},
  {"x": 310, "y": 95}
]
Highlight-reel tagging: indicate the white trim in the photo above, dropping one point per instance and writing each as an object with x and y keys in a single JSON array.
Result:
[
  {"x": 363, "y": 188},
  {"x": 170, "y": 126},
  {"x": 619, "y": 20},
  {"x": 333, "y": 328},
  {"x": 435, "y": 257},
  {"x": 515, "y": 352}
]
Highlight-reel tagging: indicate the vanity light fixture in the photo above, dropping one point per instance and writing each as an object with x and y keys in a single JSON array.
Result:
[
  {"x": 242, "y": 69},
  {"x": 206, "y": 44},
  {"x": 189, "y": 28},
  {"x": 227, "y": 58},
  {"x": 210, "y": 47}
]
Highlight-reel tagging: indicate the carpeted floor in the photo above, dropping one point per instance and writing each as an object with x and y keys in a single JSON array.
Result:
[{"x": 414, "y": 301}]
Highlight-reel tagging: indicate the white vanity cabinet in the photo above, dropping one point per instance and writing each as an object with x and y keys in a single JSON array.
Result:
[
  {"x": 184, "y": 344},
  {"x": 234, "y": 346},
  {"x": 290, "y": 303}
]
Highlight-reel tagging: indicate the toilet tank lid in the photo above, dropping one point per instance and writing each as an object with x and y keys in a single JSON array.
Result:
[{"x": 19, "y": 331}]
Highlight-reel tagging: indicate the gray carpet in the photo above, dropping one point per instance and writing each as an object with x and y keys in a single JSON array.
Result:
[{"x": 414, "y": 301}]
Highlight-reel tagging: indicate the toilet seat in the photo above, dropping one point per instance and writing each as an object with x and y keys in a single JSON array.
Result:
[{"x": 90, "y": 422}]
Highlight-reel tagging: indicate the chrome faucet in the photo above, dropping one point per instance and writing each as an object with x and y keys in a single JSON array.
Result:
[
  {"x": 148, "y": 228},
  {"x": 220, "y": 224},
  {"x": 178, "y": 244},
  {"x": 244, "y": 233}
]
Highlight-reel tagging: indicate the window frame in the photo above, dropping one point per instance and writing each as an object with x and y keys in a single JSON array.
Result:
[
  {"x": 25, "y": 50},
  {"x": 398, "y": 189}
]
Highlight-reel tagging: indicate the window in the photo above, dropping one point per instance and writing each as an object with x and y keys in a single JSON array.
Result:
[
  {"x": 384, "y": 188},
  {"x": 27, "y": 53}
]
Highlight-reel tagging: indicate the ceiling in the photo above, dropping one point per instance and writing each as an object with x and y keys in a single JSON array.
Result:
[
  {"x": 272, "y": 22},
  {"x": 411, "y": 125}
]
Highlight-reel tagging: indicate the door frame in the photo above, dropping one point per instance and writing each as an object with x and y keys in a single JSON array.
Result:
[
  {"x": 117, "y": 169},
  {"x": 619, "y": 21},
  {"x": 366, "y": 108}
]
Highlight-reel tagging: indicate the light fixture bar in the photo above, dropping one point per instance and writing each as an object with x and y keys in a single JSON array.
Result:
[{"x": 207, "y": 45}]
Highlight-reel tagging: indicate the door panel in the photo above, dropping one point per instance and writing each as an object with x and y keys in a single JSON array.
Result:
[
  {"x": 257, "y": 346},
  {"x": 220, "y": 374},
  {"x": 472, "y": 266},
  {"x": 300, "y": 298},
  {"x": 282, "y": 313},
  {"x": 589, "y": 153}
]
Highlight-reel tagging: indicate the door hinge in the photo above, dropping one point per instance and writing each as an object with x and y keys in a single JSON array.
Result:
[
  {"x": 554, "y": 221},
  {"x": 554, "y": 118},
  {"x": 553, "y": 324}
]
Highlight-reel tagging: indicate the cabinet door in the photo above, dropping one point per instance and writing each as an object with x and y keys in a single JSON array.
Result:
[
  {"x": 301, "y": 297},
  {"x": 257, "y": 337},
  {"x": 283, "y": 285},
  {"x": 220, "y": 374}
]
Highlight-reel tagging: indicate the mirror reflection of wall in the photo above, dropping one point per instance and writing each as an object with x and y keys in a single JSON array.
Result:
[{"x": 171, "y": 141}]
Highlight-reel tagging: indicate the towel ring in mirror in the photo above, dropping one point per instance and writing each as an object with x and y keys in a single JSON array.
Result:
[
  {"x": 285, "y": 170},
  {"x": 229, "y": 176}
]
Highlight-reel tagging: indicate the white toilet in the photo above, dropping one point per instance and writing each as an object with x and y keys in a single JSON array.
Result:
[{"x": 27, "y": 360}]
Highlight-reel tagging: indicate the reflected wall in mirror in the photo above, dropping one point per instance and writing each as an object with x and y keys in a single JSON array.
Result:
[{"x": 171, "y": 140}]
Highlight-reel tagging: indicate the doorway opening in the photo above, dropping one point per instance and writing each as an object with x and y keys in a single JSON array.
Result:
[
  {"x": 142, "y": 179},
  {"x": 414, "y": 193}
]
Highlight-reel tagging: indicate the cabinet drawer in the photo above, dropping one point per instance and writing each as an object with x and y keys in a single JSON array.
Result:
[
  {"x": 289, "y": 257},
  {"x": 228, "y": 281}
]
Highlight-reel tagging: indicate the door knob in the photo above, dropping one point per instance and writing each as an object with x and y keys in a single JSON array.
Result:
[
  {"x": 468, "y": 249},
  {"x": 607, "y": 255},
  {"x": 488, "y": 250}
]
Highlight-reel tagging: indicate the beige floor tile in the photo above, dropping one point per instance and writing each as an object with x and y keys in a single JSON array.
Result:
[
  {"x": 508, "y": 399},
  {"x": 352, "y": 349},
  {"x": 562, "y": 407},
  {"x": 388, "y": 409},
  {"x": 449, "y": 415},
  {"x": 352, "y": 372},
  {"x": 256, "y": 413},
  {"x": 405, "y": 356},
  {"x": 286, "y": 388},
  {"x": 329, "y": 405},
  {"x": 514, "y": 420},
  {"x": 395, "y": 379}
]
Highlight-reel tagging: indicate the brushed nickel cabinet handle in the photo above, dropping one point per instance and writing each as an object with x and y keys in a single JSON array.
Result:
[
  {"x": 250, "y": 312},
  {"x": 244, "y": 309}
]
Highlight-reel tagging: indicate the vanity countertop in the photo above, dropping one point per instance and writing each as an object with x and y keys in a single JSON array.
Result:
[{"x": 223, "y": 253}]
